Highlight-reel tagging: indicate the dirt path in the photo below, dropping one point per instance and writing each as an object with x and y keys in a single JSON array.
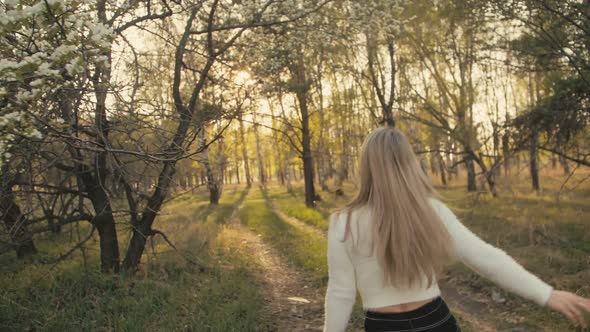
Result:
[
  {"x": 292, "y": 303},
  {"x": 468, "y": 309}
]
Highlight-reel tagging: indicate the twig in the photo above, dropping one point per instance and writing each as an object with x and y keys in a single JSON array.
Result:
[{"x": 566, "y": 181}]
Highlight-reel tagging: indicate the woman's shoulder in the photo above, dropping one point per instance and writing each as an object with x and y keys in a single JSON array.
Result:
[
  {"x": 345, "y": 214},
  {"x": 338, "y": 219},
  {"x": 337, "y": 225},
  {"x": 347, "y": 219},
  {"x": 436, "y": 203},
  {"x": 443, "y": 211}
]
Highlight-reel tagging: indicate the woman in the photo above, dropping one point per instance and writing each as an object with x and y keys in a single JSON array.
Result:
[{"x": 395, "y": 237}]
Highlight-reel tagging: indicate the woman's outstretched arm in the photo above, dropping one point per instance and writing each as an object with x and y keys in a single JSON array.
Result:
[{"x": 499, "y": 267}]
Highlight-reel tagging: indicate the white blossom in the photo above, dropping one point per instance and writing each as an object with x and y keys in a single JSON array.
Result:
[
  {"x": 37, "y": 82},
  {"x": 62, "y": 50}
]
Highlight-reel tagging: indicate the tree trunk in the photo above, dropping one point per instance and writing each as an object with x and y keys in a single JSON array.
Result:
[
  {"x": 245, "y": 152},
  {"x": 534, "y": 139},
  {"x": 488, "y": 174},
  {"x": 212, "y": 183},
  {"x": 13, "y": 219},
  {"x": 496, "y": 169},
  {"x": 261, "y": 168},
  {"x": 237, "y": 158},
  {"x": 310, "y": 195},
  {"x": 301, "y": 87},
  {"x": 288, "y": 172},
  {"x": 344, "y": 145},
  {"x": 433, "y": 161},
  {"x": 506, "y": 153},
  {"x": 441, "y": 167},
  {"x": 279, "y": 156},
  {"x": 471, "y": 181},
  {"x": 565, "y": 165},
  {"x": 143, "y": 229},
  {"x": 534, "y": 160},
  {"x": 321, "y": 149},
  {"x": 450, "y": 167},
  {"x": 105, "y": 225},
  {"x": 96, "y": 182}
]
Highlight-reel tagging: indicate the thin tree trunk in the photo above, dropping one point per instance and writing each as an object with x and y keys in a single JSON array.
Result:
[
  {"x": 506, "y": 151},
  {"x": 534, "y": 143},
  {"x": 279, "y": 155},
  {"x": 565, "y": 165},
  {"x": 245, "y": 152},
  {"x": 321, "y": 165},
  {"x": 237, "y": 157},
  {"x": 212, "y": 184},
  {"x": 471, "y": 181},
  {"x": 441, "y": 167},
  {"x": 534, "y": 160},
  {"x": 496, "y": 142},
  {"x": 261, "y": 172},
  {"x": 288, "y": 172}
]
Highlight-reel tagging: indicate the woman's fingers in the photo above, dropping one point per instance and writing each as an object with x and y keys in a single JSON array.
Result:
[
  {"x": 577, "y": 314},
  {"x": 570, "y": 305},
  {"x": 585, "y": 304},
  {"x": 567, "y": 313}
]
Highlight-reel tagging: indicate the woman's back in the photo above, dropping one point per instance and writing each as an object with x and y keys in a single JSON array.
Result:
[{"x": 370, "y": 281}]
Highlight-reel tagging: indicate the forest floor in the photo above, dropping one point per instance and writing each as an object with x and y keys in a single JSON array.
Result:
[{"x": 257, "y": 262}]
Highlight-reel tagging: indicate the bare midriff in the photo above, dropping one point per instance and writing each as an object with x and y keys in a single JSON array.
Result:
[{"x": 404, "y": 307}]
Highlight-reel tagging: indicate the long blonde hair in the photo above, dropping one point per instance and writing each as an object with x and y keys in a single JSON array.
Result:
[{"x": 409, "y": 240}]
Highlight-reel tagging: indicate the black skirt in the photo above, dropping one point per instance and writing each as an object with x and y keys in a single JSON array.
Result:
[{"x": 431, "y": 317}]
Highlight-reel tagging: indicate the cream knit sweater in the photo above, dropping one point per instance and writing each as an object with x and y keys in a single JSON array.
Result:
[{"x": 353, "y": 267}]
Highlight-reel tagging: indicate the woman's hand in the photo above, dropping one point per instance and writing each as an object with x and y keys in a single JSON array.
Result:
[{"x": 571, "y": 305}]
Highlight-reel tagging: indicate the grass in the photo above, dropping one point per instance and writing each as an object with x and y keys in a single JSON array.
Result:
[{"x": 167, "y": 294}]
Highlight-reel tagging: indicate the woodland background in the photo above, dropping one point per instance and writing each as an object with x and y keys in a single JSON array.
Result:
[{"x": 170, "y": 165}]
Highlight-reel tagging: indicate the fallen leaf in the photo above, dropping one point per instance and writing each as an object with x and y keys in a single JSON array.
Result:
[{"x": 298, "y": 299}]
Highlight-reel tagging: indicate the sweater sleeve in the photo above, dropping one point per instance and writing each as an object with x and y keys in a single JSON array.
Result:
[
  {"x": 492, "y": 262},
  {"x": 341, "y": 292}
]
